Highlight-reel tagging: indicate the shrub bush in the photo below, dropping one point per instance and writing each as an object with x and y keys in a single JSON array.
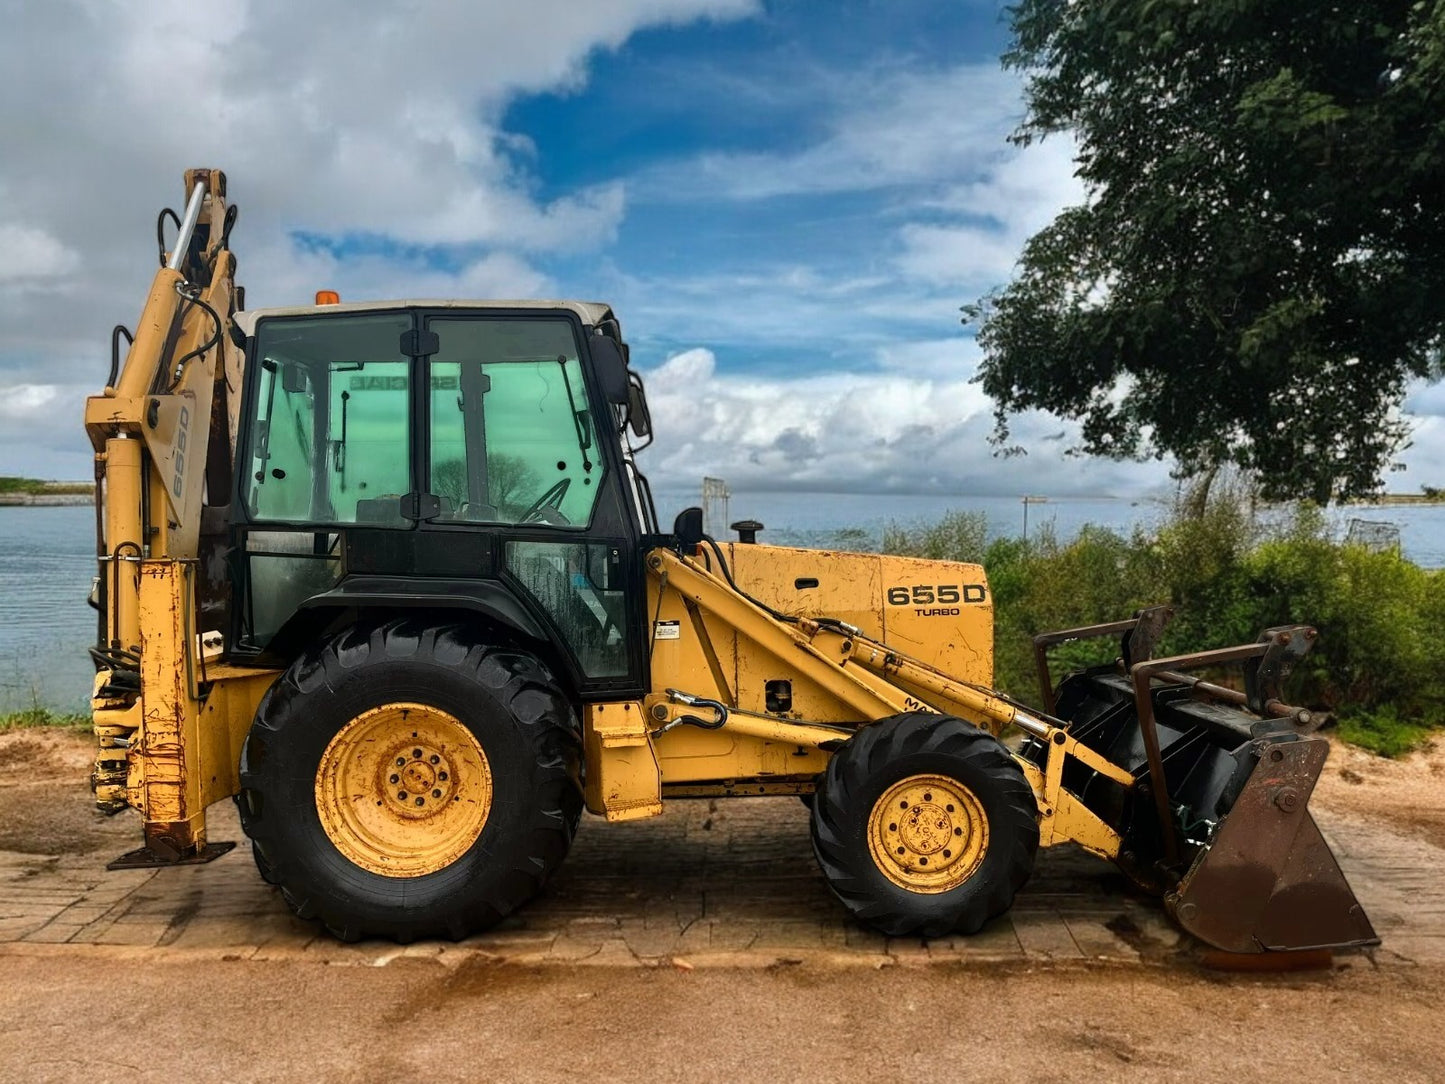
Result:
[{"x": 1229, "y": 576}]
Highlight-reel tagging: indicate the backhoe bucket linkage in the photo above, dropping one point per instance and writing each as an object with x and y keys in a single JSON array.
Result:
[{"x": 1217, "y": 818}]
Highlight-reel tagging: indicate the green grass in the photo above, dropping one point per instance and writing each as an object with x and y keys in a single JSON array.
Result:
[
  {"x": 1384, "y": 733},
  {"x": 37, "y": 487},
  {"x": 38, "y": 716}
]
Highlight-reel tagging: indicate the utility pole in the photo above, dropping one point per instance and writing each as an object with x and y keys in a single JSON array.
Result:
[{"x": 1028, "y": 501}]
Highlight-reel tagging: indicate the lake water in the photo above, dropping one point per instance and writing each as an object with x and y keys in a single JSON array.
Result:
[{"x": 47, "y": 559}]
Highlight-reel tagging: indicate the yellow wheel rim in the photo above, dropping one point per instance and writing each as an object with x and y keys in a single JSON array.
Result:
[
  {"x": 928, "y": 833},
  {"x": 404, "y": 790}
]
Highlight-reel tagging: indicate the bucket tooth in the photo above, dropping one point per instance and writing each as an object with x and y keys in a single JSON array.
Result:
[{"x": 1268, "y": 881}]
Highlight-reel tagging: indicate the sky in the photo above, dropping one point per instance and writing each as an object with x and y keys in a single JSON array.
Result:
[{"x": 787, "y": 203}]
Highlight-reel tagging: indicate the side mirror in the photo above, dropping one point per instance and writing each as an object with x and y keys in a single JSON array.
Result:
[
  {"x": 638, "y": 416},
  {"x": 687, "y": 528},
  {"x": 610, "y": 366}
]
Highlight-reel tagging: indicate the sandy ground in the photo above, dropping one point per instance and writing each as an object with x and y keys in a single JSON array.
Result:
[
  {"x": 69, "y": 1019},
  {"x": 1408, "y": 793},
  {"x": 122, "y": 1017},
  {"x": 45, "y": 801}
]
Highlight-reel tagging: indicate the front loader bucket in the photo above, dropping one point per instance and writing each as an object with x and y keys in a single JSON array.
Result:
[
  {"x": 1217, "y": 818},
  {"x": 1268, "y": 881}
]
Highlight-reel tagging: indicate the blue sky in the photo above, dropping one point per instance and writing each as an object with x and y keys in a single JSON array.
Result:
[{"x": 786, "y": 201}]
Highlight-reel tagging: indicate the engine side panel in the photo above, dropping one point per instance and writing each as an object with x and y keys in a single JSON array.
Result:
[{"x": 939, "y": 612}]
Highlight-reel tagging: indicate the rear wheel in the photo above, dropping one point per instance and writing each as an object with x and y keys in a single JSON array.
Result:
[
  {"x": 408, "y": 780},
  {"x": 924, "y": 825}
]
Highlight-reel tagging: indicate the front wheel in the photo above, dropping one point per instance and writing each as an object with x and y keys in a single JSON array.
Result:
[
  {"x": 924, "y": 825},
  {"x": 407, "y": 780}
]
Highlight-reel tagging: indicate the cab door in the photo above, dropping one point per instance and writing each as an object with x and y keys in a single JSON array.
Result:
[{"x": 520, "y": 449}]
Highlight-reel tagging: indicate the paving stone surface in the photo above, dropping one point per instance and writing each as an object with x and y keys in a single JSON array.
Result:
[{"x": 710, "y": 883}]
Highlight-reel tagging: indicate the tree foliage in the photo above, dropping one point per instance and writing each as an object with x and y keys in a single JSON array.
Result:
[
  {"x": 1258, "y": 269},
  {"x": 511, "y": 483}
]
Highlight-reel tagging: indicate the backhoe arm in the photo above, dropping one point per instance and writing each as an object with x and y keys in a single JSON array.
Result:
[
  {"x": 163, "y": 430},
  {"x": 160, "y": 429}
]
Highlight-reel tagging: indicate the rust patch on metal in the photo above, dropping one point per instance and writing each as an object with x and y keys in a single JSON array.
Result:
[{"x": 1269, "y": 882}]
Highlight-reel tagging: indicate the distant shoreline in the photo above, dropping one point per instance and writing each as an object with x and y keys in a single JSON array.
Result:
[
  {"x": 18, "y": 492},
  {"x": 44, "y": 500}
]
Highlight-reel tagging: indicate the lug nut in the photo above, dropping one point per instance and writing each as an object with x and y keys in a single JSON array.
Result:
[
  {"x": 416, "y": 753},
  {"x": 421, "y": 801},
  {"x": 395, "y": 778},
  {"x": 400, "y": 761},
  {"x": 435, "y": 759},
  {"x": 401, "y": 794},
  {"x": 442, "y": 776},
  {"x": 436, "y": 794}
]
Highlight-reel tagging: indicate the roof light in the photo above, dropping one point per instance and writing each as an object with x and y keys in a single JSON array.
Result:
[{"x": 328, "y": 297}]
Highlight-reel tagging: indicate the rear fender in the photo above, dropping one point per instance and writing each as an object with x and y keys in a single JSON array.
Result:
[{"x": 490, "y": 600}]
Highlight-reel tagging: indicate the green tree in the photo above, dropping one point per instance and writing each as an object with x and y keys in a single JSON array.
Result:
[
  {"x": 511, "y": 483},
  {"x": 1258, "y": 268}
]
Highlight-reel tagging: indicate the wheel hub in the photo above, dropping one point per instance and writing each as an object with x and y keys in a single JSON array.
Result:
[
  {"x": 403, "y": 790},
  {"x": 419, "y": 780},
  {"x": 928, "y": 833}
]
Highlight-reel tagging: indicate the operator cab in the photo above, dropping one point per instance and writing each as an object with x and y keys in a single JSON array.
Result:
[{"x": 470, "y": 456}]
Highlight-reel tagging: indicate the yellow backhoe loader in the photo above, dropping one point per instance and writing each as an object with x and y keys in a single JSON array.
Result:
[{"x": 389, "y": 576}]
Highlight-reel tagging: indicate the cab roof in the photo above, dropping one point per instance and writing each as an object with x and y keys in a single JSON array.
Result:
[{"x": 589, "y": 312}]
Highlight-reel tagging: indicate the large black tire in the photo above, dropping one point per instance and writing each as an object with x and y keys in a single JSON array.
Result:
[
  {"x": 513, "y": 707},
  {"x": 263, "y": 865},
  {"x": 882, "y": 756}
]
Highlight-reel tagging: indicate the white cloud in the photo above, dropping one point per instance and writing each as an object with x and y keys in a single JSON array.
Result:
[
  {"x": 957, "y": 254},
  {"x": 338, "y": 118},
  {"x": 888, "y": 128},
  {"x": 888, "y": 431},
  {"x": 341, "y": 119},
  {"x": 21, "y": 401},
  {"x": 39, "y": 426},
  {"x": 29, "y": 256}
]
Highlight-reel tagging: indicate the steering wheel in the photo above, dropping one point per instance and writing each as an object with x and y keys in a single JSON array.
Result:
[{"x": 545, "y": 508}]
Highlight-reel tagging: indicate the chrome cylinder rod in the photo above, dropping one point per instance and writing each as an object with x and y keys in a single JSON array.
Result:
[{"x": 188, "y": 226}]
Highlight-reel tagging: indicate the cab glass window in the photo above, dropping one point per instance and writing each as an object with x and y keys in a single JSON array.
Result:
[
  {"x": 512, "y": 436},
  {"x": 330, "y": 432}
]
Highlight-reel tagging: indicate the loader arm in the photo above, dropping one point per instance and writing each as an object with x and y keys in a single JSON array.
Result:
[{"x": 876, "y": 681}]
